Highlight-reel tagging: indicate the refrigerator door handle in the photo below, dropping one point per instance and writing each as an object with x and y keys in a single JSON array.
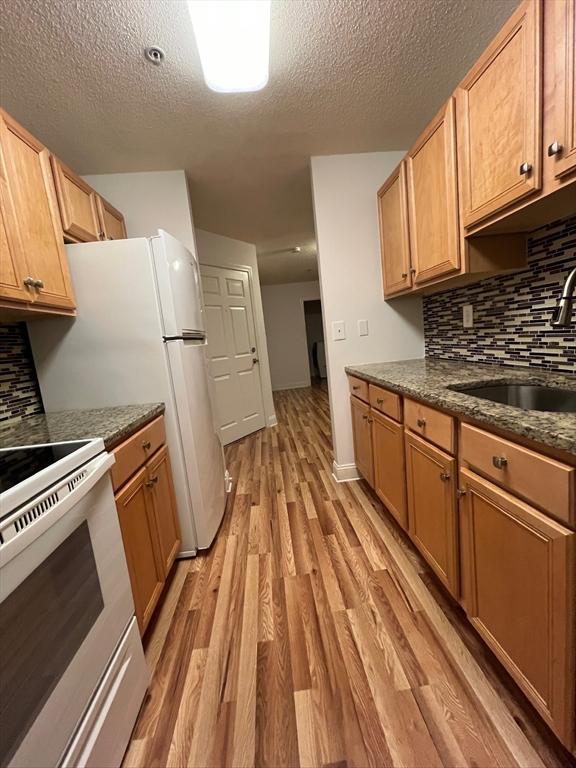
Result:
[{"x": 187, "y": 336}]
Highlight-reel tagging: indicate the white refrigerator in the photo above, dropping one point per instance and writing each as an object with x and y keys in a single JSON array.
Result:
[{"x": 139, "y": 338}]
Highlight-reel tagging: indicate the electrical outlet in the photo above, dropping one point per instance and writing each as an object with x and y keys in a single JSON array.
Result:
[
  {"x": 467, "y": 316},
  {"x": 362, "y": 327},
  {"x": 338, "y": 330}
]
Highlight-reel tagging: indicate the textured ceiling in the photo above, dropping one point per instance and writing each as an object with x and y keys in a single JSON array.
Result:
[{"x": 346, "y": 76}]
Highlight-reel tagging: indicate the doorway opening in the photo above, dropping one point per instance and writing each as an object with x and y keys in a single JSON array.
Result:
[{"x": 315, "y": 340}]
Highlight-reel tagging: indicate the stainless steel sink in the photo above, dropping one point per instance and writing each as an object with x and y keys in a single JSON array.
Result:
[{"x": 532, "y": 397}]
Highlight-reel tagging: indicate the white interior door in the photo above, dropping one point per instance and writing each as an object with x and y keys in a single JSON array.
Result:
[{"x": 232, "y": 353}]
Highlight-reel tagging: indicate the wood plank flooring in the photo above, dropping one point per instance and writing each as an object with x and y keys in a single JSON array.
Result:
[{"x": 312, "y": 634}]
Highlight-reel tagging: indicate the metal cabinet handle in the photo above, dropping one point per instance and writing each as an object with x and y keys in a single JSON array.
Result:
[
  {"x": 365, "y": 417},
  {"x": 444, "y": 476},
  {"x": 101, "y": 235},
  {"x": 499, "y": 461},
  {"x": 29, "y": 282},
  {"x": 380, "y": 400},
  {"x": 370, "y": 421},
  {"x": 555, "y": 148},
  {"x": 413, "y": 271},
  {"x": 355, "y": 387},
  {"x": 404, "y": 274},
  {"x": 152, "y": 481},
  {"x": 460, "y": 492},
  {"x": 146, "y": 444},
  {"x": 38, "y": 284},
  {"x": 421, "y": 422},
  {"x": 525, "y": 169}
]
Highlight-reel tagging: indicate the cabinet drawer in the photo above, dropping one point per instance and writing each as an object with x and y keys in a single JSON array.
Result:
[
  {"x": 434, "y": 425},
  {"x": 132, "y": 453},
  {"x": 386, "y": 402},
  {"x": 544, "y": 482},
  {"x": 358, "y": 388}
]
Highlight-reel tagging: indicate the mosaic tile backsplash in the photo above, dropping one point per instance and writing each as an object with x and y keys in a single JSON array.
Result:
[
  {"x": 19, "y": 392},
  {"x": 511, "y": 312}
]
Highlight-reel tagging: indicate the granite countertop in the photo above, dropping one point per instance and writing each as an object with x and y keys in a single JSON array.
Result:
[
  {"x": 428, "y": 380},
  {"x": 112, "y": 424}
]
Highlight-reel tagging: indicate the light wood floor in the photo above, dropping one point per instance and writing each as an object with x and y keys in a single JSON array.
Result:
[{"x": 312, "y": 634}]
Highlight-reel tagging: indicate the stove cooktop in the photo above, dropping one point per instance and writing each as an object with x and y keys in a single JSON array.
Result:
[{"x": 19, "y": 464}]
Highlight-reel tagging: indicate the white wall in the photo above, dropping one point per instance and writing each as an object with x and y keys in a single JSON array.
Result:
[
  {"x": 344, "y": 189},
  {"x": 218, "y": 251},
  {"x": 286, "y": 332},
  {"x": 150, "y": 201}
]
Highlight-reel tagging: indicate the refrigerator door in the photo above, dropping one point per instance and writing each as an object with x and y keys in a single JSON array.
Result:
[
  {"x": 203, "y": 452},
  {"x": 179, "y": 291}
]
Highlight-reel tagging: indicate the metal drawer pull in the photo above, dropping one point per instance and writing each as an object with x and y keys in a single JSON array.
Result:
[
  {"x": 152, "y": 481},
  {"x": 380, "y": 400},
  {"x": 146, "y": 444},
  {"x": 444, "y": 476},
  {"x": 29, "y": 282},
  {"x": 404, "y": 274},
  {"x": 555, "y": 148},
  {"x": 460, "y": 492},
  {"x": 38, "y": 284},
  {"x": 370, "y": 421},
  {"x": 355, "y": 387},
  {"x": 525, "y": 169},
  {"x": 421, "y": 422},
  {"x": 499, "y": 461},
  {"x": 364, "y": 416}
]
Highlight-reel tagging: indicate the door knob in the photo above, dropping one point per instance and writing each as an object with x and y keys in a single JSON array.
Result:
[{"x": 255, "y": 360}]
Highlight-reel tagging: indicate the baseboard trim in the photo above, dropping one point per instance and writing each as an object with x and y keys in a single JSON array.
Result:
[
  {"x": 296, "y": 385},
  {"x": 345, "y": 473}
]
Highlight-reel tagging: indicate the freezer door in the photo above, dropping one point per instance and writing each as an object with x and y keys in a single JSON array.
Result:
[
  {"x": 179, "y": 290},
  {"x": 203, "y": 452}
]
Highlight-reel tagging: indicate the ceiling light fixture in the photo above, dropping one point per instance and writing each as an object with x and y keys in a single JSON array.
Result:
[{"x": 233, "y": 38}]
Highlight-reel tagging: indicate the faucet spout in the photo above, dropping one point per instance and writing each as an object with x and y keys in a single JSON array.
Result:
[{"x": 563, "y": 313}]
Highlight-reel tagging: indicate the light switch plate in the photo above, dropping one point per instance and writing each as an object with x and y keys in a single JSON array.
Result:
[
  {"x": 362, "y": 327},
  {"x": 467, "y": 316},
  {"x": 338, "y": 330}
]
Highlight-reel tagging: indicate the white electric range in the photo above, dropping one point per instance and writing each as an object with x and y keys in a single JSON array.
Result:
[{"x": 72, "y": 667}]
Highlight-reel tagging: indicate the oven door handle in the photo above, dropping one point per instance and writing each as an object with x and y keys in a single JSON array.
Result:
[{"x": 15, "y": 541}]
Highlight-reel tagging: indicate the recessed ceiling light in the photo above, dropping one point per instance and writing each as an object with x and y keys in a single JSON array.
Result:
[{"x": 233, "y": 38}]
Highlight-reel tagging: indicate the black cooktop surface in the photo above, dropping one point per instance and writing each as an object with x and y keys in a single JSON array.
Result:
[{"x": 18, "y": 464}]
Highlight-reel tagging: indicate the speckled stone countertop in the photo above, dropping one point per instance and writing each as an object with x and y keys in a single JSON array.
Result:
[
  {"x": 112, "y": 424},
  {"x": 428, "y": 380}
]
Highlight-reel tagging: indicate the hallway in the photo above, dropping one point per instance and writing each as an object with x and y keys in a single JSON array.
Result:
[{"x": 312, "y": 634}]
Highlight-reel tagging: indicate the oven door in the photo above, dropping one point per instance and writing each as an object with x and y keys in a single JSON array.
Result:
[{"x": 65, "y": 601}]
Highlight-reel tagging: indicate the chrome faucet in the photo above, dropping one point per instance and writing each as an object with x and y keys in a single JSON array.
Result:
[{"x": 563, "y": 312}]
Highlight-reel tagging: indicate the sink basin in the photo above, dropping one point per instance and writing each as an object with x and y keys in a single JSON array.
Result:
[{"x": 532, "y": 397}]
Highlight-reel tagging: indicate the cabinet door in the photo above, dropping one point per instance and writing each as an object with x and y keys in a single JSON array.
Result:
[
  {"x": 12, "y": 259},
  {"x": 432, "y": 507},
  {"x": 362, "y": 439},
  {"x": 499, "y": 119},
  {"x": 159, "y": 478},
  {"x": 29, "y": 180},
  {"x": 394, "y": 237},
  {"x": 562, "y": 151},
  {"x": 140, "y": 537},
  {"x": 112, "y": 226},
  {"x": 520, "y": 567},
  {"x": 77, "y": 201},
  {"x": 389, "y": 467},
  {"x": 433, "y": 199}
]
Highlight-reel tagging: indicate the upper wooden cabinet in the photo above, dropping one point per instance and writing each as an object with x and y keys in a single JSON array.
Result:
[
  {"x": 433, "y": 199},
  {"x": 394, "y": 236},
  {"x": 78, "y": 204},
  {"x": 499, "y": 118},
  {"x": 111, "y": 221},
  {"x": 31, "y": 223},
  {"x": 562, "y": 139}
]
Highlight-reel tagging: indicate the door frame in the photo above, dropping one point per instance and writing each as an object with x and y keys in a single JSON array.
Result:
[
  {"x": 270, "y": 420},
  {"x": 302, "y": 303}
]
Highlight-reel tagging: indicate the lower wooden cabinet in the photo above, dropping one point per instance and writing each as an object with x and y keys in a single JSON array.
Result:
[
  {"x": 362, "y": 439},
  {"x": 389, "y": 465},
  {"x": 518, "y": 566},
  {"x": 148, "y": 516},
  {"x": 141, "y": 545},
  {"x": 431, "y": 480}
]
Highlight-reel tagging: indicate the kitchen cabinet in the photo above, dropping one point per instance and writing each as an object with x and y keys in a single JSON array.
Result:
[
  {"x": 78, "y": 204},
  {"x": 141, "y": 545},
  {"x": 561, "y": 149},
  {"x": 519, "y": 567},
  {"x": 389, "y": 466},
  {"x": 112, "y": 226},
  {"x": 37, "y": 270},
  {"x": 361, "y": 423},
  {"x": 146, "y": 503},
  {"x": 161, "y": 489},
  {"x": 499, "y": 119},
  {"x": 394, "y": 234},
  {"x": 431, "y": 478},
  {"x": 433, "y": 199}
]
